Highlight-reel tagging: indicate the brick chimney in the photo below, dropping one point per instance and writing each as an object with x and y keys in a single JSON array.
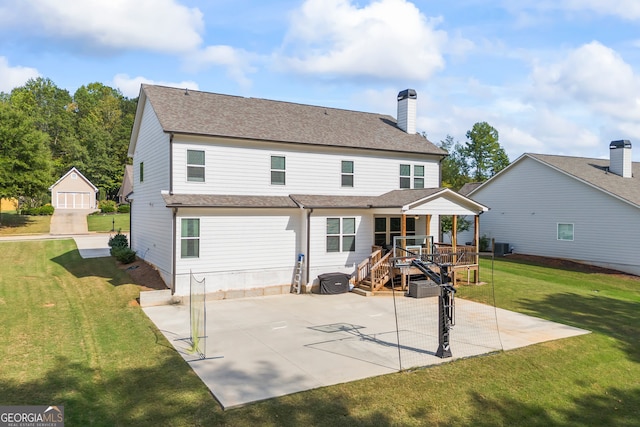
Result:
[
  {"x": 620, "y": 158},
  {"x": 407, "y": 100}
]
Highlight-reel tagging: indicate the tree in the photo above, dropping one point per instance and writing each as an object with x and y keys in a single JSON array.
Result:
[
  {"x": 454, "y": 168},
  {"x": 446, "y": 225},
  {"x": 25, "y": 159},
  {"x": 51, "y": 111},
  {"x": 485, "y": 155}
]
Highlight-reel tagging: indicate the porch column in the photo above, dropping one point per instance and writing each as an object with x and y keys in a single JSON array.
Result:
[
  {"x": 428, "y": 232},
  {"x": 476, "y": 237},
  {"x": 403, "y": 245},
  {"x": 454, "y": 235}
]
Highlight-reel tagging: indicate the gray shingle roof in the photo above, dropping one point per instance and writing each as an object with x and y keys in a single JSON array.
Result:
[
  {"x": 392, "y": 199},
  {"x": 596, "y": 172},
  {"x": 210, "y": 114},
  {"x": 227, "y": 201},
  {"x": 468, "y": 188}
]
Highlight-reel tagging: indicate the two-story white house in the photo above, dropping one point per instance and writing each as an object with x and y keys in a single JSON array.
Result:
[{"x": 234, "y": 189}]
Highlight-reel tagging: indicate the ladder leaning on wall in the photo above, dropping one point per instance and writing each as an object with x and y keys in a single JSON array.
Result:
[{"x": 297, "y": 279}]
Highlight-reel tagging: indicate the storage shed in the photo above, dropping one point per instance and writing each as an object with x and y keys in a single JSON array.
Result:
[{"x": 73, "y": 191}]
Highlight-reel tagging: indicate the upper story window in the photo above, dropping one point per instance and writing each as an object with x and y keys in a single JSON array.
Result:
[
  {"x": 341, "y": 234},
  {"x": 405, "y": 176},
  {"x": 418, "y": 176},
  {"x": 278, "y": 168},
  {"x": 565, "y": 232},
  {"x": 347, "y": 173},
  {"x": 195, "y": 165},
  {"x": 141, "y": 171}
]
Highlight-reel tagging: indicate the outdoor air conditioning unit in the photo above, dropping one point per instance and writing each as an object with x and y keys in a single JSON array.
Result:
[{"x": 500, "y": 249}]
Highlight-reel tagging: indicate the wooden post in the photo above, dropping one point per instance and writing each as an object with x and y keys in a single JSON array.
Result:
[
  {"x": 403, "y": 245},
  {"x": 428, "y": 232}
]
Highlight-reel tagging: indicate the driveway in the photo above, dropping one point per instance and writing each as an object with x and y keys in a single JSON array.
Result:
[{"x": 69, "y": 221}]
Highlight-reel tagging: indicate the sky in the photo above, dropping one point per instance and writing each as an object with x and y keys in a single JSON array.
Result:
[{"x": 552, "y": 76}]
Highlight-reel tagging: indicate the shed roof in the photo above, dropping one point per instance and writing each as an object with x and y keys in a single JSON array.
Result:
[
  {"x": 209, "y": 114},
  {"x": 72, "y": 170}
]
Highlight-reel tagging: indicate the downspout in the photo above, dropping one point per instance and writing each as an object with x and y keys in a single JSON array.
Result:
[
  {"x": 173, "y": 222},
  {"x": 173, "y": 256},
  {"x": 171, "y": 163},
  {"x": 308, "y": 242}
]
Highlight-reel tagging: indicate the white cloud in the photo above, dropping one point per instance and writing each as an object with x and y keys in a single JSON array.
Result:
[
  {"x": 12, "y": 77},
  {"x": 593, "y": 76},
  {"x": 130, "y": 86},
  {"x": 625, "y": 9},
  {"x": 386, "y": 39},
  {"x": 237, "y": 62},
  {"x": 157, "y": 25}
]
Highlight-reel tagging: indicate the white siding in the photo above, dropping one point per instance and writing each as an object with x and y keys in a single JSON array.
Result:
[
  {"x": 322, "y": 261},
  {"x": 241, "y": 248},
  {"x": 151, "y": 221},
  {"x": 241, "y": 168},
  {"x": 529, "y": 200}
]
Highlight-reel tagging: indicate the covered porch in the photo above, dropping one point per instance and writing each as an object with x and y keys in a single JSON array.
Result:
[{"x": 377, "y": 273}]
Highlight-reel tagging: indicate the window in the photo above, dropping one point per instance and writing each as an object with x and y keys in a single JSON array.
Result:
[
  {"x": 141, "y": 171},
  {"x": 565, "y": 232},
  {"x": 190, "y": 238},
  {"x": 347, "y": 173},
  {"x": 278, "y": 170},
  {"x": 386, "y": 228},
  {"x": 195, "y": 165},
  {"x": 418, "y": 176},
  {"x": 74, "y": 176},
  {"x": 405, "y": 176},
  {"x": 341, "y": 234}
]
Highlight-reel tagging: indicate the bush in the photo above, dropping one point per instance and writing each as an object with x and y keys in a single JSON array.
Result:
[
  {"x": 46, "y": 210},
  {"x": 124, "y": 208},
  {"x": 124, "y": 255},
  {"x": 118, "y": 241},
  {"x": 484, "y": 243},
  {"x": 107, "y": 206},
  {"x": 41, "y": 210}
]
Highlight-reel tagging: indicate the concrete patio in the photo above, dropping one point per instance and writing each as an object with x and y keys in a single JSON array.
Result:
[{"x": 264, "y": 347}]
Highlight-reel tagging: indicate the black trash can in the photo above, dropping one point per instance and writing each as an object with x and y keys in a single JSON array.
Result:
[{"x": 334, "y": 283}]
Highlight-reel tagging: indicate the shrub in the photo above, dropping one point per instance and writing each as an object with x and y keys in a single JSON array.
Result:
[
  {"x": 118, "y": 241},
  {"x": 107, "y": 206},
  {"x": 41, "y": 210},
  {"x": 46, "y": 210},
  {"x": 484, "y": 243},
  {"x": 124, "y": 255},
  {"x": 124, "y": 208}
]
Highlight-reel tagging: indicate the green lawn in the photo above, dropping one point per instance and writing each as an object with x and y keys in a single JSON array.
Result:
[
  {"x": 72, "y": 336},
  {"x": 14, "y": 224},
  {"x": 104, "y": 223}
]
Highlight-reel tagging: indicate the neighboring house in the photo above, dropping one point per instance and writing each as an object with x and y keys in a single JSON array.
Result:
[
  {"x": 8, "y": 205},
  {"x": 233, "y": 189},
  {"x": 73, "y": 191},
  {"x": 568, "y": 207},
  {"x": 127, "y": 184}
]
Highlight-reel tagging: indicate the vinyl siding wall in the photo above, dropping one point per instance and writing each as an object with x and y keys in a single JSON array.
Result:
[
  {"x": 235, "y": 167},
  {"x": 529, "y": 200},
  {"x": 151, "y": 220},
  {"x": 345, "y": 262},
  {"x": 241, "y": 248}
]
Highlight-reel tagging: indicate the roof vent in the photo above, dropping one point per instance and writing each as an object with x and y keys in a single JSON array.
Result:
[
  {"x": 620, "y": 158},
  {"x": 407, "y": 101}
]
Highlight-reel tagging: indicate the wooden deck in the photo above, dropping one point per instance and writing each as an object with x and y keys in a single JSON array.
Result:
[{"x": 377, "y": 274}]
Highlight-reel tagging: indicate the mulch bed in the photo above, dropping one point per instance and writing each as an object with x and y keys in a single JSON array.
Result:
[
  {"x": 565, "y": 264},
  {"x": 144, "y": 275}
]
